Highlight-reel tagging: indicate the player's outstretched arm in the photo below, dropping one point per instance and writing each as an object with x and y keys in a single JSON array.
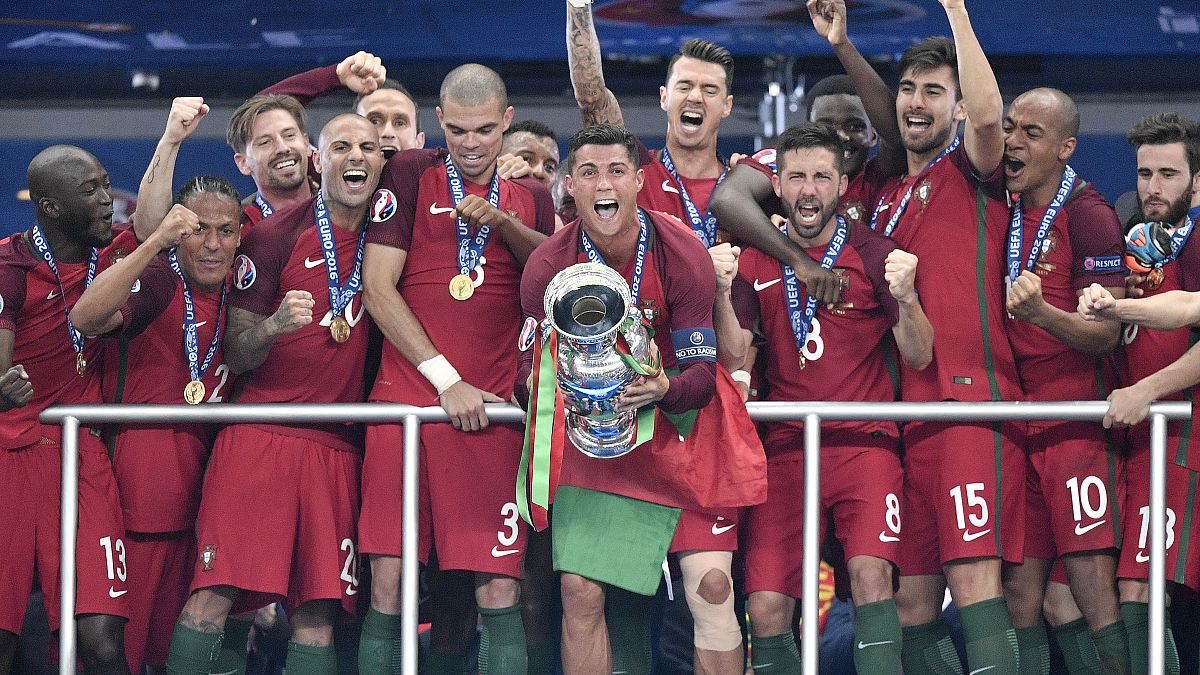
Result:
[
  {"x": 913, "y": 332},
  {"x": 382, "y": 267},
  {"x": 15, "y": 388},
  {"x": 521, "y": 240},
  {"x": 984, "y": 137},
  {"x": 361, "y": 73},
  {"x": 596, "y": 103},
  {"x": 98, "y": 310},
  {"x": 154, "y": 192},
  {"x": 829, "y": 18},
  {"x": 1165, "y": 311},
  {"x": 249, "y": 336},
  {"x": 1026, "y": 303},
  {"x": 1130, "y": 405}
]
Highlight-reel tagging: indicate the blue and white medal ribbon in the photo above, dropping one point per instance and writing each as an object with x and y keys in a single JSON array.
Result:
[
  {"x": 43, "y": 249},
  {"x": 470, "y": 249},
  {"x": 193, "y": 393},
  {"x": 263, "y": 205},
  {"x": 339, "y": 293},
  {"x": 705, "y": 227},
  {"x": 802, "y": 320},
  {"x": 1016, "y": 227},
  {"x": 1180, "y": 236},
  {"x": 639, "y": 261},
  {"x": 895, "y": 218}
]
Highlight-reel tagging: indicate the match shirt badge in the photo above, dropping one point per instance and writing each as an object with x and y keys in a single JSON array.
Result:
[
  {"x": 207, "y": 556},
  {"x": 243, "y": 272},
  {"x": 854, "y": 211},
  {"x": 924, "y": 191},
  {"x": 384, "y": 206},
  {"x": 528, "y": 334}
]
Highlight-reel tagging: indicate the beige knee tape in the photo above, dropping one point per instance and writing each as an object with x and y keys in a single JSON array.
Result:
[{"x": 715, "y": 625}]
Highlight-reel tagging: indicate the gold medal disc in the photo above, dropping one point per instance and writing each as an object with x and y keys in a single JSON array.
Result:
[
  {"x": 193, "y": 393},
  {"x": 1155, "y": 278},
  {"x": 803, "y": 362},
  {"x": 461, "y": 287},
  {"x": 80, "y": 363},
  {"x": 339, "y": 328}
]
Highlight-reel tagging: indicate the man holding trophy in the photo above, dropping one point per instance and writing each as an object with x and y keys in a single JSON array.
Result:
[{"x": 692, "y": 448}]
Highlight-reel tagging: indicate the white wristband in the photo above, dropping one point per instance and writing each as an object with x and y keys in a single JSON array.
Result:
[
  {"x": 579, "y": 4},
  {"x": 741, "y": 376},
  {"x": 440, "y": 373}
]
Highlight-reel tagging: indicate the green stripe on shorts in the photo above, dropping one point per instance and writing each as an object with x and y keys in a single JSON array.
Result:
[
  {"x": 612, "y": 539},
  {"x": 1183, "y": 533}
]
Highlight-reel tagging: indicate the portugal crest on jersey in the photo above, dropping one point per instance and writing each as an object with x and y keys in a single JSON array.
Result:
[
  {"x": 384, "y": 206},
  {"x": 243, "y": 272},
  {"x": 207, "y": 556},
  {"x": 924, "y": 191},
  {"x": 854, "y": 211}
]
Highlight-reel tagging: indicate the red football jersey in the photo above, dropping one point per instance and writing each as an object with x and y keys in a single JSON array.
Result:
[
  {"x": 844, "y": 357},
  {"x": 957, "y": 226},
  {"x": 1084, "y": 246},
  {"x": 34, "y": 307},
  {"x": 283, "y": 253},
  {"x": 661, "y": 192},
  {"x": 476, "y": 335},
  {"x": 862, "y": 189}
]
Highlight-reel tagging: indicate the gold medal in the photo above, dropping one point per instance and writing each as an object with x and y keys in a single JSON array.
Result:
[
  {"x": 193, "y": 393},
  {"x": 803, "y": 362},
  {"x": 461, "y": 287},
  {"x": 80, "y": 363},
  {"x": 339, "y": 328},
  {"x": 1155, "y": 278}
]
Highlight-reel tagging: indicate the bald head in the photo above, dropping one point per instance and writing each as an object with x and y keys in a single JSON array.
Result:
[
  {"x": 332, "y": 128},
  {"x": 1061, "y": 113},
  {"x": 56, "y": 167},
  {"x": 472, "y": 85}
]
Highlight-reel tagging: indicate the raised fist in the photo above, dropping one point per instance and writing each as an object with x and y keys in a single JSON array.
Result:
[
  {"x": 184, "y": 118},
  {"x": 361, "y": 73},
  {"x": 295, "y": 312}
]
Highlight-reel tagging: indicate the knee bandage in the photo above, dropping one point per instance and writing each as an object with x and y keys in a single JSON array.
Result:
[{"x": 715, "y": 625}]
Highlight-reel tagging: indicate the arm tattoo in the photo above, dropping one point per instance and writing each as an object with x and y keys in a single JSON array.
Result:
[
  {"x": 153, "y": 169},
  {"x": 596, "y": 102},
  {"x": 246, "y": 344}
]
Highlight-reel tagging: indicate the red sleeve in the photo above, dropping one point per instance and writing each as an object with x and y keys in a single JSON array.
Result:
[
  {"x": 1096, "y": 241},
  {"x": 644, "y": 155},
  {"x": 762, "y": 161},
  {"x": 12, "y": 280},
  {"x": 1189, "y": 264},
  {"x": 262, "y": 256},
  {"x": 745, "y": 300},
  {"x": 402, "y": 176},
  {"x": 306, "y": 86},
  {"x": 156, "y": 288},
  {"x": 690, "y": 285},
  {"x": 993, "y": 186},
  {"x": 873, "y": 248},
  {"x": 543, "y": 203}
]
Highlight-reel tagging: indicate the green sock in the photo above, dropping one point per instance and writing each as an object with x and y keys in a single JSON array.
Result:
[
  {"x": 877, "y": 637},
  {"x": 1035, "y": 650},
  {"x": 627, "y": 616},
  {"x": 502, "y": 645},
  {"x": 440, "y": 663},
  {"x": 232, "y": 659},
  {"x": 311, "y": 660},
  {"x": 775, "y": 654},
  {"x": 1136, "y": 616},
  {"x": 379, "y": 643},
  {"x": 541, "y": 658},
  {"x": 192, "y": 652},
  {"x": 1079, "y": 650},
  {"x": 991, "y": 640},
  {"x": 928, "y": 650},
  {"x": 1112, "y": 647}
]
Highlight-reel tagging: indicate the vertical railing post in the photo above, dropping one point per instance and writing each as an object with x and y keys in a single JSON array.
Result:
[
  {"x": 69, "y": 521},
  {"x": 810, "y": 640},
  {"x": 1158, "y": 541},
  {"x": 409, "y": 578}
]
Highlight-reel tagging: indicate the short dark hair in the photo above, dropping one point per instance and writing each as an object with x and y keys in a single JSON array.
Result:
[
  {"x": 1165, "y": 128},
  {"x": 532, "y": 127},
  {"x": 389, "y": 83},
  {"x": 930, "y": 54},
  {"x": 207, "y": 184},
  {"x": 238, "y": 134},
  {"x": 601, "y": 134},
  {"x": 810, "y": 135},
  {"x": 829, "y": 86},
  {"x": 706, "y": 51},
  {"x": 473, "y": 84}
]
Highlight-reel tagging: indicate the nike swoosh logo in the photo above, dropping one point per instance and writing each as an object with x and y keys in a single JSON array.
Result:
[
  {"x": 497, "y": 552},
  {"x": 114, "y": 593},
  {"x": 309, "y": 263},
  {"x": 864, "y": 645},
  {"x": 761, "y": 286},
  {"x": 1080, "y": 531},
  {"x": 350, "y": 590},
  {"x": 51, "y": 295},
  {"x": 1142, "y": 557},
  {"x": 982, "y": 670},
  {"x": 667, "y": 187},
  {"x": 717, "y": 531},
  {"x": 434, "y": 209},
  {"x": 887, "y": 537},
  {"x": 972, "y": 536},
  {"x": 197, "y": 325}
]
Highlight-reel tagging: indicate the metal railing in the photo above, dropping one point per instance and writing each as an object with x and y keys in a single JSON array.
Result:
[{"x": 71, "y": 416}]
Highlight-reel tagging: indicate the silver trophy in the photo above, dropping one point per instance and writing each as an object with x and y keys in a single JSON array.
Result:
[{"x": 590, "y": 306}]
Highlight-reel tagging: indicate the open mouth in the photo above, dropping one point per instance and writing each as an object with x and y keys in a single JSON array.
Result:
[
  {"x": 690, "y": 120},
  {"x": 606, "y": 208},
  {"x": 472, "y": 157},
  {"x": 917, "y": 123},
  {"x": 1013, "y": 166},
  {"x": 389, "y": 150},
  {"x": 284, "y": 164},
  {"x": 354, "y": 178},
  {"x": 807, "y": 213}
]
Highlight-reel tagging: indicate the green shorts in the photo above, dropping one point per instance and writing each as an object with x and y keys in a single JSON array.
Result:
[{"x": 611, "y": 539}]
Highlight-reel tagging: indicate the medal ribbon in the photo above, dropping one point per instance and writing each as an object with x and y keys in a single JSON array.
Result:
[
  {"x": 470, "y": 250},
  {"x": 545, "y": 437},
  {"x": 43, "y": 249},
  {"x": 339, "y": 294},
  {"x": 263, "y": 205},
  {"x": 705, "y": 227},
  {"x": 1016, "y": 227},
  {"x": 639, "y": 261},
  {"x": 1180, "y": 236},
  {"x": 801, "y": 323},
  {"x": 191, "y": 346},
  {"x": 895, "y": 218}
]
